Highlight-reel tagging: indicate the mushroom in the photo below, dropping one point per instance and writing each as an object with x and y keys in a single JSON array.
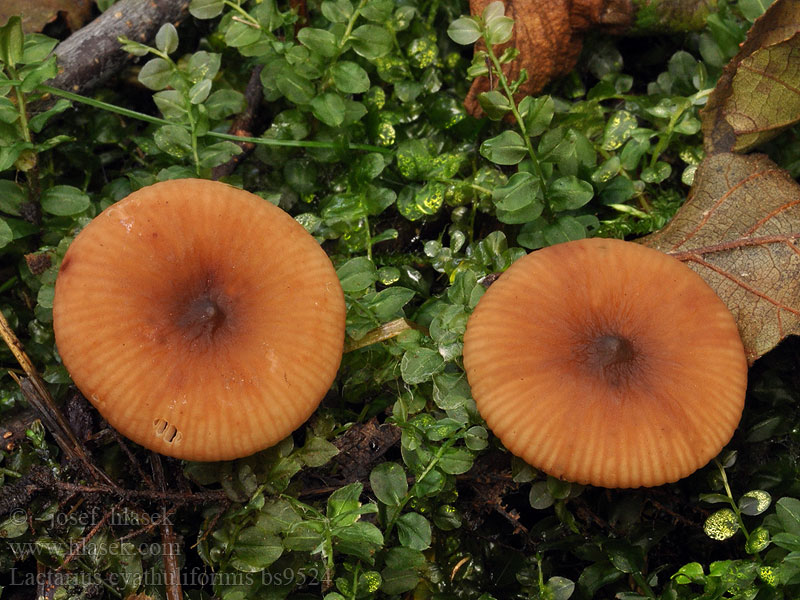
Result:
[
  {"x": 606, "y": 362},
  {"x": 202, "y": 321}
]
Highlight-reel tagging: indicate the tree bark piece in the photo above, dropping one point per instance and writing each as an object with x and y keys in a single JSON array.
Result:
[{"x": 93, "y": 54}]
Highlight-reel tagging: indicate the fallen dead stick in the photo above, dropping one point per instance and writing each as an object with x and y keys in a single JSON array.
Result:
[
  {"x": 382, "y": 333},
  {"x": 172, "y": 571},
  {"x": 38, "y": 396},
  {"x": 152, "y": 495},
  {"x": 92, "y": 54}
]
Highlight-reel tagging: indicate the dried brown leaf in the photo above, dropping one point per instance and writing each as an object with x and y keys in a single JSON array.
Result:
[
  {"x": 548, "y": 35},
  {"x": 739, "y": 230},
  {"x": 38, "y": 13},
  {"x": 758, "y": 93}
]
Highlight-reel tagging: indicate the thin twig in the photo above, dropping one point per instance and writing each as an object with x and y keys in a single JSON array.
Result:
[
  {"x": 243, "y": 124},
  {"x": 38, "y": 396},
  {"x": 76, "y": 550},
  {"x": 122, "y": 444},
  {"x": 169, "y": 543},
  {"x": 151, "y": 495},
  {"x": 380, "y": 334}
]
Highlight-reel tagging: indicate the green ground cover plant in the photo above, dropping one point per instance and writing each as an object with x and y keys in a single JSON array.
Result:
[{"x": 395, "y": 488}]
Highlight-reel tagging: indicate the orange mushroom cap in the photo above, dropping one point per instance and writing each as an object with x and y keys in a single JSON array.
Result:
[
  {"x": 606, "y": 362},
  {"x": 202, "y": 321}
]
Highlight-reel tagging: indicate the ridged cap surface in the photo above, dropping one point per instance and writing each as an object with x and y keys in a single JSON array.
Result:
[
  {"x": 202, "y": 321},
  {"x": 608, "y": 363}
]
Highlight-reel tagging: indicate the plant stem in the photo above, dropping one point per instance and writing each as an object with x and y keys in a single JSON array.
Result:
[
  {"x": 223, "y": 136},
  {"x": 365, "y": 220},
  {"x": 350, "y": 24},
  {"x": 9, "y": 283},
  {"x": 328, "y": 79},
  {"x": 23, "y": 111},
  {"x": 645, "y": 587},
  {"x": 245, "y": 16},
  {"x": 412, "y": 492},
  {"x": 732, "y": 502},
  {"x": 103, "y": 105},
  {"x": 193, "y": 131},
  {"x": 474, "y": 186},
  {"x": 354, "y": 589},
  {"x": 538, "y": 558},
  {"x": 537, "y": 168}
]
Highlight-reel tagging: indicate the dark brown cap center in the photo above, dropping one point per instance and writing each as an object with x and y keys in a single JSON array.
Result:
[
  {"x": 202, "y": 317},
  {"x": 612, "y": 355},
  {"x": 611, "y": 350}
]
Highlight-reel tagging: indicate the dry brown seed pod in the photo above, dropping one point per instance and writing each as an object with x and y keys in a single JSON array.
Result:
[
  {"x": 607, "y": 363},
  {"x": 202, "y": 321}
]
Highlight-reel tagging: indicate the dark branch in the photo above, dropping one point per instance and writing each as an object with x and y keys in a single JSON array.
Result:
[
  {"x": 92, "y": 54},
  {"x": 242, "y": 125}
]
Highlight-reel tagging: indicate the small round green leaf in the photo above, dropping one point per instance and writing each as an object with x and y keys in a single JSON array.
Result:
[
  {"x": 217, "y": 154},
  {"x": 155, "y": 74},
  {"x": 464, "y": 31},
  {"x": 657, "y": 173},
  {"x": 476, "y": 438},
  {"x": 45, "y": 296},
  {"x": 494, "y": 104},
  {"x": 499, "y": 30},
  {"x": 539, "y": 496},
  {"x": 297, "y": 89},
  {"x": 494, "y": 10},
  {"x": 349, "y": 78},
  {"x": 357, "y": 274},
  {"x": 11, "y": 197},
  {"x": 167, "y": 38},
  {"x": 508, "y": 148},
  {"x": 255, "y": 550},
  {"x": 223, "y": 103},
  {"x": 619, "y": 128},
  {"x": 338, "y": 11},
  {"x": 320, "y": 41},
  {"x": 6, "y": 235},
  {"x": 758, "y": 540},
  {"x": 420, "y": 364},
  {"x": 521, "y": 191},
  {"x": 371, "y": 41},
  {"x": 199, "y": 91},
  {"x": 456, "y": 461},
  {"x": 173, "y": 139},
  {"x": 626, "y": 557},
  {"x": 388, "y": 481},
  {"x": 560, "y": 588},
  {"x": 240, "y": 34},
  {"x": 755, "y": 502},
  {"x": 329, "y": 108},
  {"x": 378, "y": 11},
  {"x": 64, "y": 200},
  {"x": 11, "y": 41},
  {"x": 537, "y": 113},
  {"x": 203, "y": 65},
  {"x": 414, "y": 531},
  {"x": 206, "y": 9},
  {"x": 569, "y": 193},
  {"x": 689, "y": 573},
  {"x": 721, "y": 525}
]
